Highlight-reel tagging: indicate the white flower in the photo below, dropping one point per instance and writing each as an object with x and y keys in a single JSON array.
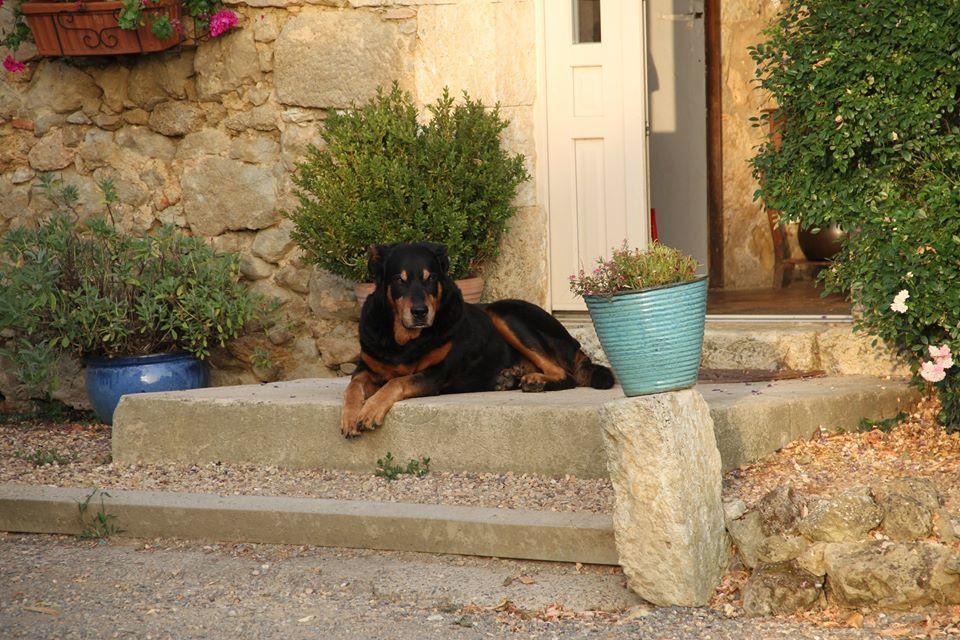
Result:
[{"x": 900, "y": 301}]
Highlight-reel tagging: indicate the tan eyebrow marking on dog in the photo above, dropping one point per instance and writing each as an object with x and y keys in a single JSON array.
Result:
[
  {"x": 403, "y": 275},
  {"x": 426, "y": 273}
]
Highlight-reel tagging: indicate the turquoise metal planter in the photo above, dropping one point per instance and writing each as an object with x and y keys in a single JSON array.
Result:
[{"x": 653, "y": 336}]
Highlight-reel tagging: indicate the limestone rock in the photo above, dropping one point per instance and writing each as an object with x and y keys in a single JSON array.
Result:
[
  {"x": 262, "y": 118},
  {"x": 782, "y": 548},
  {"x": 112, "y": 80},
  {"x": 226, "y": 63},
  {"x": 891, "y": 575},
  {"x": 295, "y": 140},
  {"x": 156, "y": 78},
  {"x": 844, "y": 518},
  {"x": 254, "y": 268},
  {"x": 780, "y": 510},
  {"x": 332, "y": 297},
  {"x": 62, "y": 88},
  {"x": 295, "y": 278},
  {"x": 317, "y": 62},
  {"x": 97, "y": 149},
  {"x": 733, "y": 509},
  {"x": 50, "y": 154},
  {"x": 273, "y": 244},
  {"x": 144, "y": 142},
  {"x": 255, "y": 149},
  {"x": 78, "y": 117},
  {"x": 923, "y": 490},
  {"x": 780, "y": 589},
  {"x": 204, "y": 142},
  {"x": 107, "y": 121},
  {"x": 221, "y": 194},
  {"x": 812, "y": 560},
  {"x": 136, "y": 116},
  {"x": 747, "y": 534},
  {"x": 944, "y": 526},
  {"x": 176, "y": 118},
  {"x": 339, "y": 345},
  {"x": 668, "y": 518},
  {"x": 21, "y": 175},
  {"x": 905, "y": 518},
  {"x": 266, "y": 28}
]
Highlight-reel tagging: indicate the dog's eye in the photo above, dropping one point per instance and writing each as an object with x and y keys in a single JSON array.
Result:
[
  {"x": 432, "y": 277},
  {"x": 398, "y": 278}
]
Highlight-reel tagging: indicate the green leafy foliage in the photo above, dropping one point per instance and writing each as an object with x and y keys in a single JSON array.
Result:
[
  {"x": 868, "y": 112},
  {"x": 632, "y": 269},
  {"x": 90, "y": 290},
  {"x": 385, "y": 177},
  {"x": 388, "y": 468}
]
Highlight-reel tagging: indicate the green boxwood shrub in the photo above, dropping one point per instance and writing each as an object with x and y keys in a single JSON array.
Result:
[
  {"x": 385, "y": 177},
  {"x": 868, "y": 103},
  {"x": 90, "y": 290}
]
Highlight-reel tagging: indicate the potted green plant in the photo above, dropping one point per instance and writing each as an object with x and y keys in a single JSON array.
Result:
[
  {"x": 111, "y": 27},
  {"x": 141, "y": 312},
  {"x": 649, "y": 308},
  {"x": 384, "y": 176}
]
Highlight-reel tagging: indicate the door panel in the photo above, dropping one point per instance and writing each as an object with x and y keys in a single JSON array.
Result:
[
  {"x": 678, "y": 124},
  {"x": 595, "y": 93}
]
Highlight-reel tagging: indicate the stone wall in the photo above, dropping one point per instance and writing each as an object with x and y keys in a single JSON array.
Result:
[
  {"x": 747, "y": 245},
  {"x": 206, "y": 139}
]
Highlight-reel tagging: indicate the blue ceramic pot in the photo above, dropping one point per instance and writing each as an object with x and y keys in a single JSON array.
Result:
[
  {"x": 653, "y": 336},
  {"x": 110, "y": 378}
]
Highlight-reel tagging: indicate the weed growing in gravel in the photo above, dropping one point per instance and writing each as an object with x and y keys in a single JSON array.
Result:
[
  {"x": 388, "y": 468},
  {"x": 42, "y": 456},
  {"x": 101, "y": 525}
]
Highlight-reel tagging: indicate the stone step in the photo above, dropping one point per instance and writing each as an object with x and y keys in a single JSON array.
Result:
[
  {"x": 295, "y": 424},
  {"x": 833, "y": 347}
]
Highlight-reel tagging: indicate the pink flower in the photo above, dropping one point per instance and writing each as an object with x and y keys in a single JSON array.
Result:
[
  {"x": 13, "y": 65},
  {"x": 932, "y": 371},
  {"x": 941, "y": 355},
  {"x": 221, "y": 22}
]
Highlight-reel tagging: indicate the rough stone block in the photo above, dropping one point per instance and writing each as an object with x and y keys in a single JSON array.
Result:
[
  {"x": 330, "y": 59},
  {"x": 221, "y": 194},
  {"x": 668, "y": 518}
]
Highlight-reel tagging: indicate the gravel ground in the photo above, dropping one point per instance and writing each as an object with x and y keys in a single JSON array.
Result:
[
  {"x": 56, "y": 587},
  {"x": 87, "y": 450}
]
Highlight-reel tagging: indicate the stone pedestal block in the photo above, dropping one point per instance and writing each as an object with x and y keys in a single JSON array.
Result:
[{"x": 668, "y": 518}]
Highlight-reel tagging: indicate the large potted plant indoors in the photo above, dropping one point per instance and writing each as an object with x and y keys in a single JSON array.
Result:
[
  {"x": 649, "y": 308},
  {"x": 384, "y": 176},
  {"x": 111, "y": 27},
  {"x": 141, "y": 312}
]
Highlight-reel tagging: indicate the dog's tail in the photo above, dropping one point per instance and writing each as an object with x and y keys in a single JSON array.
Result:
[{"x": 588, "y": 374}]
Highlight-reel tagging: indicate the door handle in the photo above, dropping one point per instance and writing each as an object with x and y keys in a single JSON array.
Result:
[{"x": 682, "y": 17}]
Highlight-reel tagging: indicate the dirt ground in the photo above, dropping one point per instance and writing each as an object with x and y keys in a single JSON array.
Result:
[{"x": 57, "y": 587}]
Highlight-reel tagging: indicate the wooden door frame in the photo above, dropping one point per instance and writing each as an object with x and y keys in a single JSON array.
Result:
[{"x": 714, "y": 81}]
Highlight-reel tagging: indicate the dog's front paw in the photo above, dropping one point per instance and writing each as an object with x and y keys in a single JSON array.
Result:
[
  {"x": 372, "y": 415},
  {"x": 348, "y": 422}
]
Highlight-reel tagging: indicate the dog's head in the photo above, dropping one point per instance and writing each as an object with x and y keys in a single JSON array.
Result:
[{"x": 413, "y": 278}]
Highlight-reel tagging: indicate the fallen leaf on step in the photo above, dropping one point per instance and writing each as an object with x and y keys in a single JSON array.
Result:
[
  {"x": 855, "y": 620},
  {"x": 306, "y": 618},
  {"x": 50, "y": 611}
]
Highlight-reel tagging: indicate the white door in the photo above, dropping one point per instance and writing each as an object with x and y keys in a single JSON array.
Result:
[
  {"x": 677, "y": 105},
  {"x": 596, "y": 146}
]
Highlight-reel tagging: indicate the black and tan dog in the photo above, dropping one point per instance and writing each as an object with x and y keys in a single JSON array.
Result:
[{"x": 419, "y": 338}]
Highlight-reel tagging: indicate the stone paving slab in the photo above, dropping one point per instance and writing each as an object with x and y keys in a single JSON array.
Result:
[
  {"x": 395, "y": 526},
  {"x": 295, "y": 424}
]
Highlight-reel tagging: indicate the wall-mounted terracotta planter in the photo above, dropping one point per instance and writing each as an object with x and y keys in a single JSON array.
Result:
[{"x": 91, "y": 29}]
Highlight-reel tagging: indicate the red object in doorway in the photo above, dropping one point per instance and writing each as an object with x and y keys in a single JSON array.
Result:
[{"x": 653, "y": 225}]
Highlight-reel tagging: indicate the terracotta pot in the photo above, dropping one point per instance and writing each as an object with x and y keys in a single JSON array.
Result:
[
  {"x": 471, "y": 288},
  {"x": 63, "y": 29}
]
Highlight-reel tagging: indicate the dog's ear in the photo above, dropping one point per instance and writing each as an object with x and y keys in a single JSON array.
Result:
[
  {"x": 377, "y": 261},
  {"x": 440, "y": 251}
]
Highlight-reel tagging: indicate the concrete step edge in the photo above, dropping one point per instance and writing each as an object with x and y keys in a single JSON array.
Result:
[{"x": 393, "y": 526}]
